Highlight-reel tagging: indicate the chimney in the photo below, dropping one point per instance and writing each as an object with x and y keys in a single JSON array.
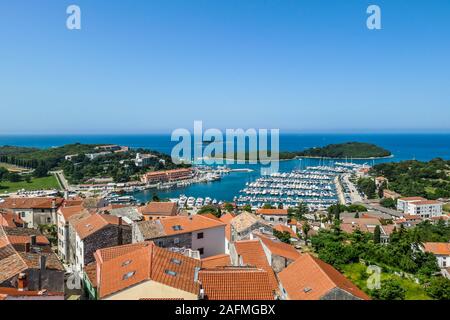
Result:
[
  {"x": 120, "y": 233},
  {"x": 27, "y": 247},
  {"x": 53, "y": 203},
  {"x": 42, "y": 262},
  {"x": 32, "y": 240},
  {"x": 22, "y": 283}
]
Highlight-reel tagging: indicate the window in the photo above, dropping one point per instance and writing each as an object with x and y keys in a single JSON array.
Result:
[
  {"x": 176, "y": 241},
  {"x": 125, "y": 263},
  {"x": 171, "y": 273},
  {"x": 128, "y": 275},
  {"x": 200, "y": 235},
  {"x": 201, "y": 250}
]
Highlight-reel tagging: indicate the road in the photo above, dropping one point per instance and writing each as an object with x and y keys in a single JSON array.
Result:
[
  {"x": 62, "y": 179},
  {"x": 354, "y": 194}
]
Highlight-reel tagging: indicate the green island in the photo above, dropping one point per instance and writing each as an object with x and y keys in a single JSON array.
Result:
[
  {"x": 346, "y": 150},
  {"x": 28, "y": 168},
  {"x": 355, "y": 150},
  {"x": 415, "y": 178}
]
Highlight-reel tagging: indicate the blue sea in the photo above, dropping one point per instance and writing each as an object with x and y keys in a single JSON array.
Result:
[{"x": 422, "y": 147}]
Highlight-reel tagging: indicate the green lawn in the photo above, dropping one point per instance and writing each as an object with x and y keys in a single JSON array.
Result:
[
  {"x": 356, "y": 272},
  {"x": 447, "y": 207},
  {"x": 45, "y": 183}
]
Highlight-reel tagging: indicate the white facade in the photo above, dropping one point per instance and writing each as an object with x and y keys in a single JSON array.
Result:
[
  {"x": 79, "y": 254},
  {"x": 425, "y": 209},
  {"x": 211, "y": 241},
  {"x": 275, "y": 218},
  {"x": 443, "y": 261}
]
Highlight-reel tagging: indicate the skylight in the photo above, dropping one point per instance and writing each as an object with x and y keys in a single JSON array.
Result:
[
  {"x": 176, "y": 261},
  {"x": 171, "y": 273},
  {"x": 177, "y": 228},
  {"x": 125, "y": 263},
  {"x": 128, "y": 275}
]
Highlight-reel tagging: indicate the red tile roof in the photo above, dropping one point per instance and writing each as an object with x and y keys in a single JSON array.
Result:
[
  {"x": 188, "y": 224},
  {"x": 284, "y": 228},
  {"x": 437, "y": 248},
  {"x": 68, "y": 212},
  {"x": 412, "y": 199},
  {"x": 142, "y": 262},
  {"x": 279, "y": 248},
  {"x": 253, "y": 255},
  {"x": 31, "y": 203},
  {"x": 159, "y": 209},
  {"x": 236, "y": 284},
  {"x": 93, "y": 223},
  {"x": 425, "y": 202},
  {"x": 309, "y": 278},
  {"x": 10, "y": 219},
  {"x": 221, "y": 260},
  {"x": 277, "y": 212}
]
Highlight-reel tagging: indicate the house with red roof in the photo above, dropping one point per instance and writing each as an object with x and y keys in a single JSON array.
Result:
[
  {"x": 144, "y": 271},
  {"x": 93, "y": 232},
  {"x": 203, "y": 235},
  {"x": 33, "y": 211},
  {"x": 309, "y": 278},
  {"x": 274, "y": 216}
]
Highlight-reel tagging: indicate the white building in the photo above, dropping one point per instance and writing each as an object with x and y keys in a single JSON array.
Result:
[
  {"x": 33, "y": 211},
  {"x": 420, "y": 206},
  {"x": 143, "y": 160},
  {"x": 441, "y": 251},
  {"x": 198, "y": 233},
  {"x": 274, "y": 216}
]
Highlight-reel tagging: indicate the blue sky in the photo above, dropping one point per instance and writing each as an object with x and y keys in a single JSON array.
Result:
[{"x": 153, "y": 66}]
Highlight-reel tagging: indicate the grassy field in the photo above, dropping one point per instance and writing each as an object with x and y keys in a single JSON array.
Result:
[
  {"x": 356, "y": 272},
  {"x": 46, "y": 183},
  {"x": 447, "y": 207},
  {"x": 12, "y": 168}
]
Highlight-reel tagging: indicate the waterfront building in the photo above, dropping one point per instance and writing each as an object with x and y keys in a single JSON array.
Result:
[{"x": 167, "y": 176}]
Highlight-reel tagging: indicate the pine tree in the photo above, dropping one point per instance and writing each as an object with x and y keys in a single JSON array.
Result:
[{"x": 377, "y": 234}]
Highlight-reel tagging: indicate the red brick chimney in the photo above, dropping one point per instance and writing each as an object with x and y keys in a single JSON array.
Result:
[{"x": 22, "y": 282}]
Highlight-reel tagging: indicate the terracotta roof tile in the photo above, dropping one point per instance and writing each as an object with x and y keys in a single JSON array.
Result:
[
  {"x": 221, "y": 260},
  {"x": 309, "y": 278},
  {"x": 283, "y": 228},
  {"x": 277, "y": 212},
  {"x": 279, "y": 248},
  {"x": 438, "y": 248},
  {"x": 236, "y": 284},
  {"x": 252, "y": 254},
  {"x": 31, "y": 203},
  {"x": 159, "y": 208},
  {"x": 125, "y": 266},
  {"x": 93, "y": 223}
]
